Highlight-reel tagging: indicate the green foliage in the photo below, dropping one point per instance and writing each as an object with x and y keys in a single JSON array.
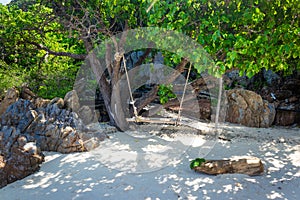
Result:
[
  {"x": 10, "y": 77},
  {"x": 266, "y": 34},
  {"x": 197, "y": 162},
  {"x": 47, "y": 75},
  {"x": 165, "y": 93}
]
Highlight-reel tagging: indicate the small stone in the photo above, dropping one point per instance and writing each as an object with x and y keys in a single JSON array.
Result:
[
  {"x": 59, "y": 101},
  {"x": 22, "y": 140},
  {"x": 281, "y": 140},
  {"x": 39, "y": 102},
  {"x": 26, "y": 93}
]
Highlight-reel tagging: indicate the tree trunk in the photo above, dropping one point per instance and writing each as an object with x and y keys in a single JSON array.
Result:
[{"x": 110, "y": 90}]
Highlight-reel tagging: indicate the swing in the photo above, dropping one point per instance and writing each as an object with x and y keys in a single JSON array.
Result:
[{"x": 171, "y": 121}]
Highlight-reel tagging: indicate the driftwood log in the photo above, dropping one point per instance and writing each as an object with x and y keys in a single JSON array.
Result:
[{"x": 251, "y": 166}]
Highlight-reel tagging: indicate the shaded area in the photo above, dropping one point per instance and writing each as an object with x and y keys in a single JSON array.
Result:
[{"x": 81, "y": 176}]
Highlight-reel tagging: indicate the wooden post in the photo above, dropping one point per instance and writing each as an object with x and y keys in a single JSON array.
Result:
[{"x": 251, "y": 166}]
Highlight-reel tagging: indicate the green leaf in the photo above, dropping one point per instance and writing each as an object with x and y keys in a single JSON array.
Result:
[{"x": 197, "y": 162}]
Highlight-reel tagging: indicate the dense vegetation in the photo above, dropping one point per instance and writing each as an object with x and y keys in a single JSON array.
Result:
[{"x": 43, "y": 43}]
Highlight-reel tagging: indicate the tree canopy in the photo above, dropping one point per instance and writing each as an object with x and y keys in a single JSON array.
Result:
[{"x": 43, "y": 42}]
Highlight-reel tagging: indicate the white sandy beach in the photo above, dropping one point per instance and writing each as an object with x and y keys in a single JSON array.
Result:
[{"x": 122, "y": 172}]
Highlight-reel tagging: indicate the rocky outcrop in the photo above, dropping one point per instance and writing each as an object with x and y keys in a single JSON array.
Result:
[
  {"x": 286, "y": 97},
  {"x": 248, "y": 108},
  {"x": 29, "y": 126},
  {"x": 19, "y": 155},
  {"x": 53, "y": 128}
]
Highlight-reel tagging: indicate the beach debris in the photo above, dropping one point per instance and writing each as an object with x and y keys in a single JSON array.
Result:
[{"x": 251, "y": 166}]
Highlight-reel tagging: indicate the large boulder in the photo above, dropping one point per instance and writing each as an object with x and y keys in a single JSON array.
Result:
[
  {"x": 248, "y": 108},
  {"x": 19, "y": 155}
]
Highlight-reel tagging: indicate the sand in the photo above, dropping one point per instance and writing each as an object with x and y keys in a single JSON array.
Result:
[{"x": 145, "y": 166}]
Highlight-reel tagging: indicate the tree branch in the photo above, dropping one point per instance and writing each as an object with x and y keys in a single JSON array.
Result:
[
  {"x": 67, "y": 54},
  {"x": 143, "y": 57}
]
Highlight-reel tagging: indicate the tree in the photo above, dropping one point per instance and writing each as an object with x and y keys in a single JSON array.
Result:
[
  {"x": 266, "y": 34},
  {"x": 32, "y": 45}
]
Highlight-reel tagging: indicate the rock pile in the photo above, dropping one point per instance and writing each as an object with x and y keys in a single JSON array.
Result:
[
  {"x": 286, "y": 97},
  {"x": 29, "y": 126},
  {"x": 281, "y": 91},
  {"x": 19, "y": 155}
]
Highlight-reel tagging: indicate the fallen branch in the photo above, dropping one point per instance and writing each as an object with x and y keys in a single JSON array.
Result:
[{"x": 251, "y": 166}]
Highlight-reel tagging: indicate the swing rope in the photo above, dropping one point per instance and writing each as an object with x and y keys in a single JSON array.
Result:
[
  {"x": 184, "y": 90},
  {"x": 132, "y": 101}
]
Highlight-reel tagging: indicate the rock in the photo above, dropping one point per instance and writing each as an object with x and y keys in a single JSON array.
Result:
[
  {"x": 58, "y": 130},
  {"x": 40, "y": 102},
  {"x": 53, "y": 128},
  {"x": 158, "y": 58},
  {"x": 271, "y": 77},
  {"x": 11, "y": 96},
  {"x": 205, "y": 108},
  {"x": 71, "y": 101},
  {"x": 287, "y": 114},
  {"x": 15, "y": 114},
  {"x": 285, "y": 117},
  {"x": 19, "y": 157},
  {"x": 268, "y": 115},
  {"x": 59, "y": 101},
  {"x": 87, "y": 116},
  {"x": 95, "y": 133},
  {"x": 247, "y": 108},
  {"x": 30, "y": 126},
  {"x": 3, "y": 175},
  {"x": 283, "y": 94},
  {"x": 27, "y": 94},
  {"x": 233, "y": 79},
  {"x": 292, "y": 85}
]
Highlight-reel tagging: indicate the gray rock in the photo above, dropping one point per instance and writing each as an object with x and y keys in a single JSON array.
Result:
[
  {"x": 86, "y": 114},
  {"x": 26, "y": 129},
  {"x": 53, "y": 128},
  {"x": 234, "y": 80},
  {"x": 271, "y": 77},
  {"x": 19, "y": 157},
  {"x": 71, "y": 101},
  {"x": 158, "y": 58}
]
